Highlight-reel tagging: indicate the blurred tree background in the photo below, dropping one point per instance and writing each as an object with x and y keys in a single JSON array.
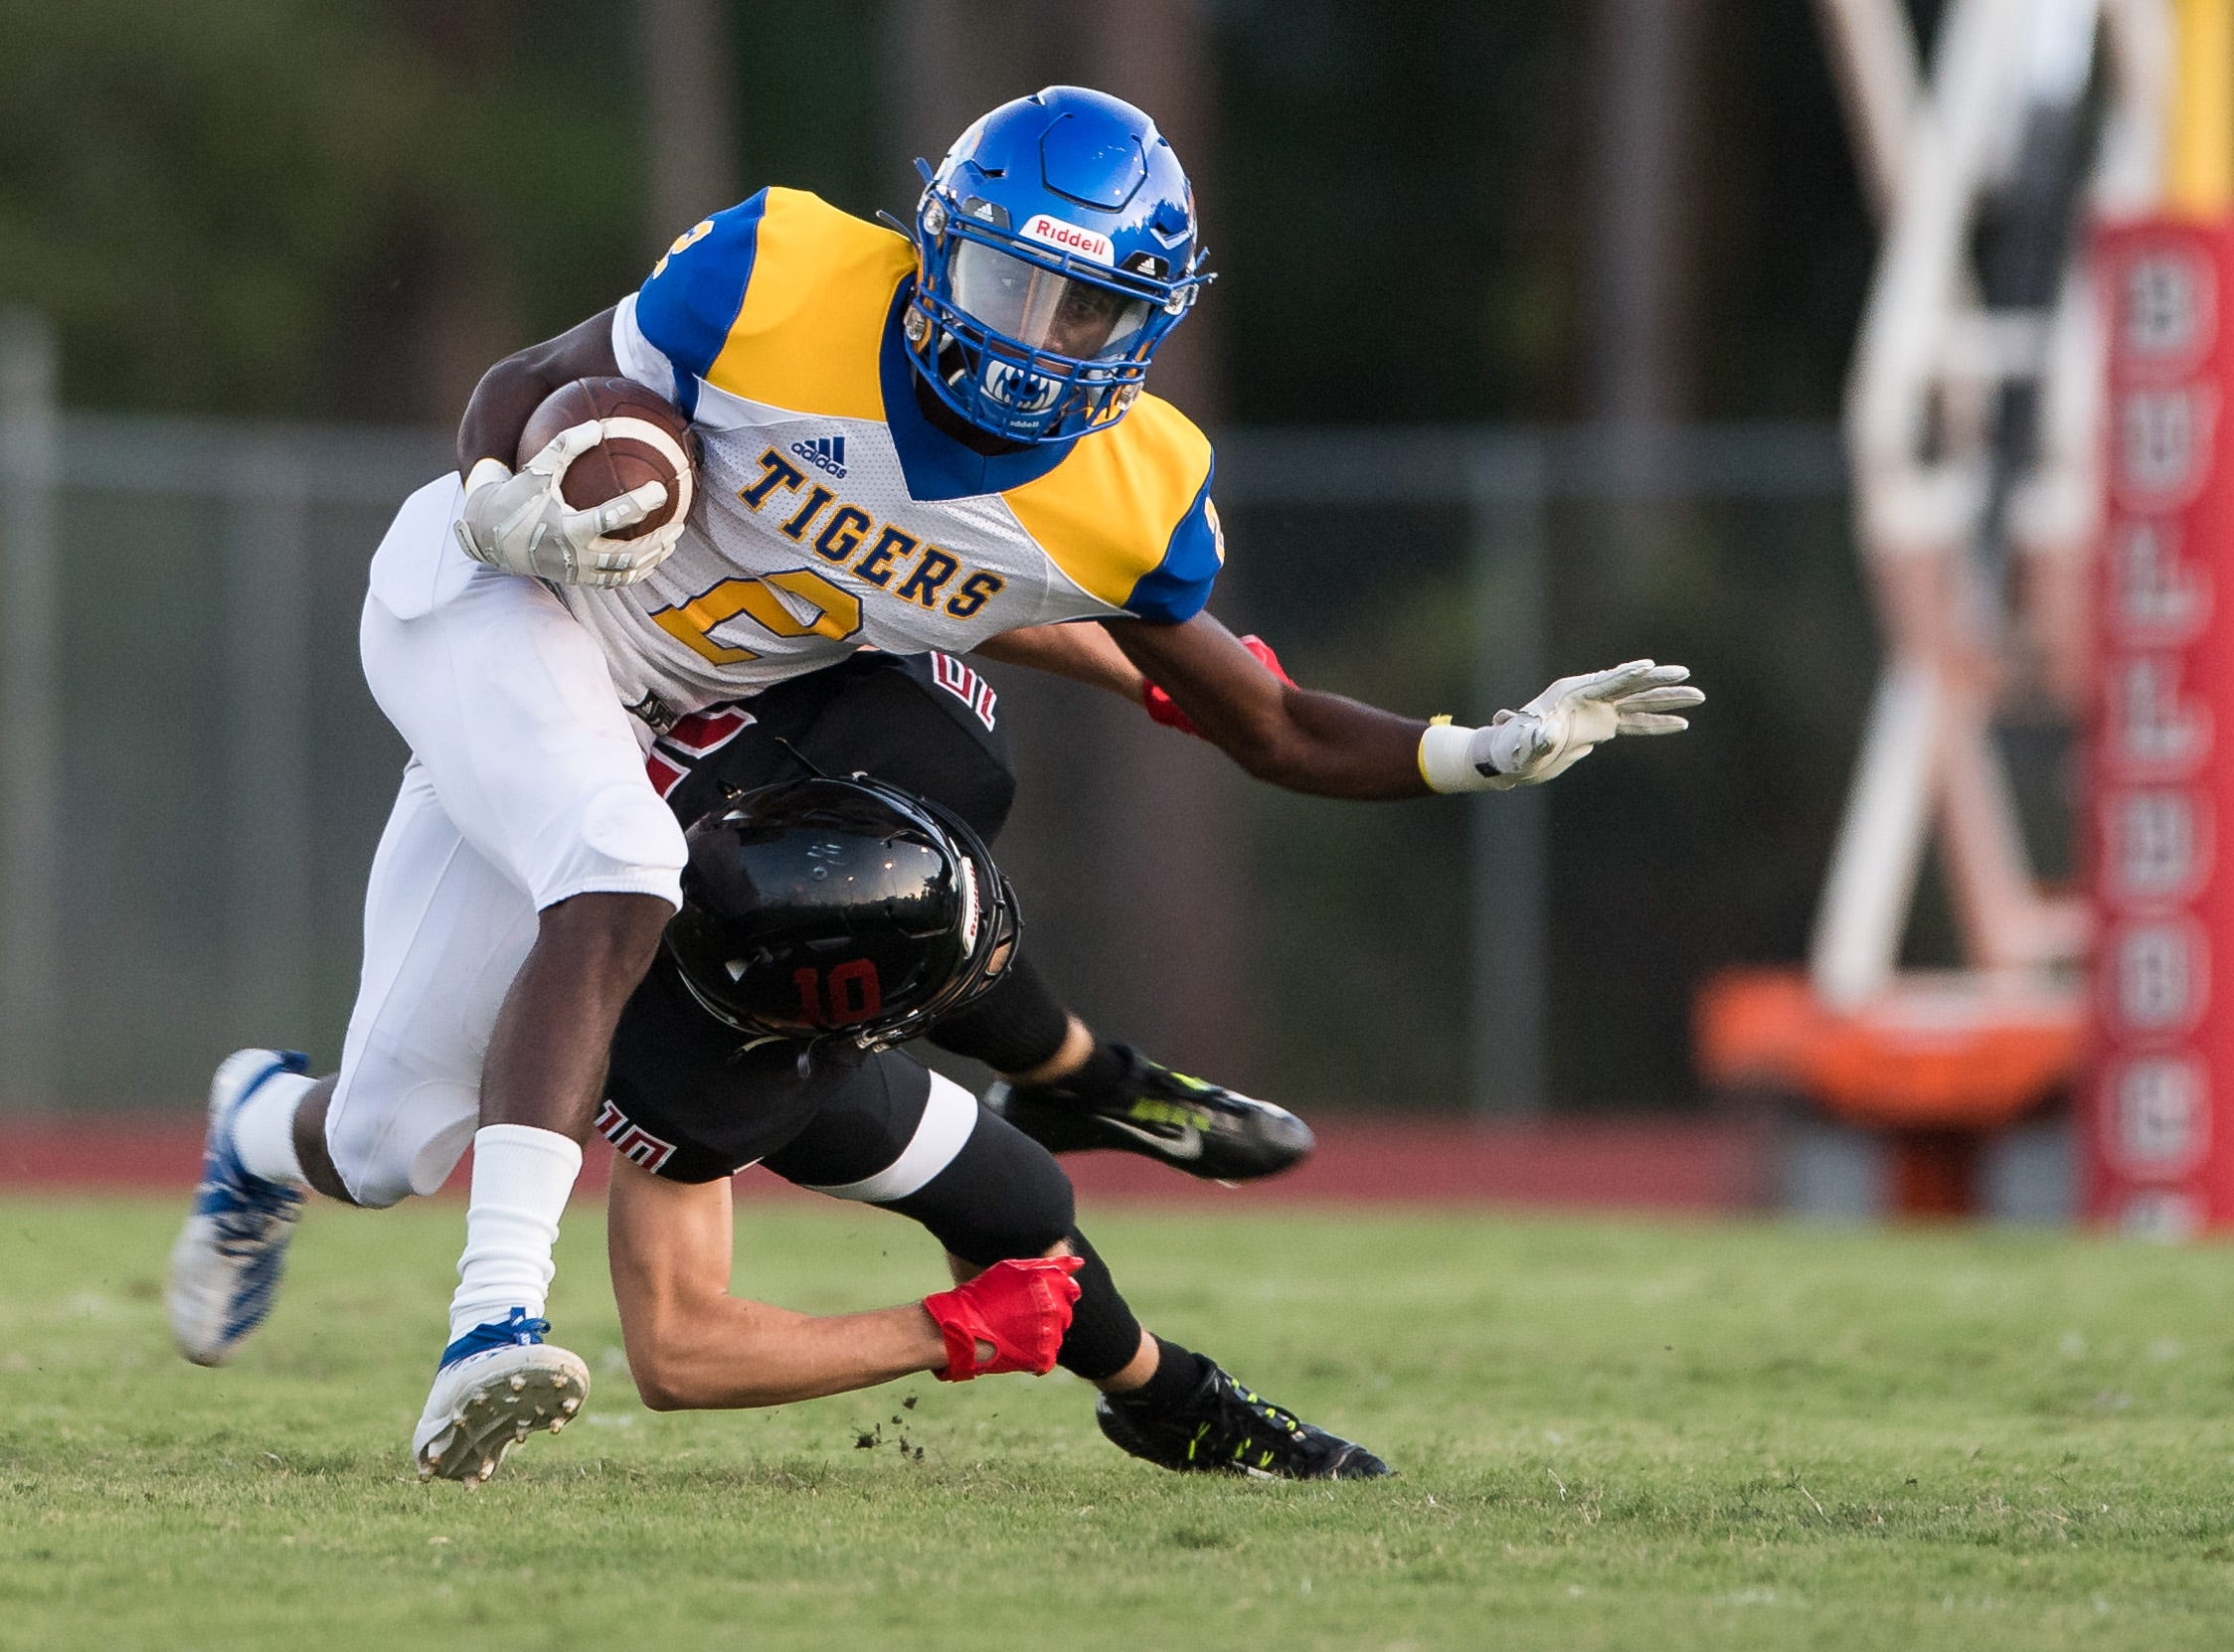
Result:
[
  {"x": 335, "y": 208},
  {"x": 1627, "y": 212}
]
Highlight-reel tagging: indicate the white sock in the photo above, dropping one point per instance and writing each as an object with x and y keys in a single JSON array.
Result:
[
  {"x": 264, "y": 1128},
  {"x": 521, "y": 1179}
]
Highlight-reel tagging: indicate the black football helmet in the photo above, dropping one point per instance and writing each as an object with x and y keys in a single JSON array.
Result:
[{"x": 825, "y": 909}]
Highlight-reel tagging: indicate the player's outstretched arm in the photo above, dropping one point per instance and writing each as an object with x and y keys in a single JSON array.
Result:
[
  {"x": 1323, "y": 743},
  {"x": 1082, "y": 652},
  {"x": 693, "y": 1346}
]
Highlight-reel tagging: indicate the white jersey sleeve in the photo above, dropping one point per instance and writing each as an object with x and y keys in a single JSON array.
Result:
[{"x": 639, "y": 357}]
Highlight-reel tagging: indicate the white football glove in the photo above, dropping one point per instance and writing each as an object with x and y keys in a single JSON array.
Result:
[
  {"x": 521, "y": 523},
  {"x": 1558, "y": 729}
]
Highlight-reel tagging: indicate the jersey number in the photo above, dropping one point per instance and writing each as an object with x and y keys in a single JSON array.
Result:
[
  {"x": 837, "y": 612},
  {"x": 855, "y": 993}
]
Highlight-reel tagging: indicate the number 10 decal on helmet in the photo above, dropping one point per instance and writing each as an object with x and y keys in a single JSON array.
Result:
[
  {"x": 843, "y": 909},
  {"x": 1056, "y": 245}
]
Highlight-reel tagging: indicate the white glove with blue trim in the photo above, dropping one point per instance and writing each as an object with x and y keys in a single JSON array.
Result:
[{"x": 1558, "y": 729}]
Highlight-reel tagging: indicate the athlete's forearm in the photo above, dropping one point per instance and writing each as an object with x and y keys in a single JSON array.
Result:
[
  {"x": 1300, "y": 738},
  {"x": 734, "y": 1353},
  {"x": 691, "y": 1344},
  {"x": 511, "y": 391},
  {"x": 1326, "y": 745}
]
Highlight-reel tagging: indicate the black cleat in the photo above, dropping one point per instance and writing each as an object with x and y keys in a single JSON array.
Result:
[
  {"x": 1201, "y": 1128},
  {"x": 1222, "y": 1427}
]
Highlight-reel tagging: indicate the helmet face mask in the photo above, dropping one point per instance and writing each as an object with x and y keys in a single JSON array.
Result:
[
  {"x": 846, "y": 910},
  {"x": 1043, "y": 307},
  {"x": 1055, "y": 247}
]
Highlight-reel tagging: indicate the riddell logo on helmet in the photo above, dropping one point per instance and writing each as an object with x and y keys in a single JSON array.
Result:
[{"x": 1071, "y": 238}]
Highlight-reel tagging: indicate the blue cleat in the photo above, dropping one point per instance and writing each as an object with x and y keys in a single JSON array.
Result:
[
  {"x": 227, "y": 1264},
  {"x": 497, "y": 1384}
]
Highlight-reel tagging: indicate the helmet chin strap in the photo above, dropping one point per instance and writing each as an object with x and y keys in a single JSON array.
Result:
[
  {"x": 991, "y": 369},
  {"x": 994, "y": 374},
  {"x": 949, "y": 363}
]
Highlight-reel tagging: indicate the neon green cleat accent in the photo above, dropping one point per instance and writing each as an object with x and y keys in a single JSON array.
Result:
[
  {"x": 1223, "y": 1427},
  {"x": 1189, "y": 1123}
]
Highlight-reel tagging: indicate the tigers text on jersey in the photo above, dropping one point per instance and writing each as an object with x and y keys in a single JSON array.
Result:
[{"x": 831, "y": 513}]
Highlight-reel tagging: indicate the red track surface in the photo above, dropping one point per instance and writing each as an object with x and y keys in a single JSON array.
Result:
[{"x": 1620, "y": 1165}]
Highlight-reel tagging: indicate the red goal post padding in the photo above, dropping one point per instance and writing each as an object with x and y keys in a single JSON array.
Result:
[{"x": 2157, "y": 1095}]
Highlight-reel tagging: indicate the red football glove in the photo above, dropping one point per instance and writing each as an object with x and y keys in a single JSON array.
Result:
[
  {"x": 1021, "y": 1307},
  {"x": 1165, "y": 710}
]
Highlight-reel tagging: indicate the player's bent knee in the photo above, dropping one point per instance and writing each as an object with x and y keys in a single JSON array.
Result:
[
  {"x": 405, "y": 1170},
  {"x": 1036, "y": 1219},
  {"x": 1003, "y": 1196},
  {"x": 620, "y": 839},
  {"x": 387, "y": 1145},
  {"x": 623, "y": 928},
  {"x": 1040, "y": 1207}
]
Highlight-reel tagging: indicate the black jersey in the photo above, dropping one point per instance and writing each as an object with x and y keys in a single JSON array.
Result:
[
  {"x": 928, "y": 723},
  {"x": 686, "y": 1101}
]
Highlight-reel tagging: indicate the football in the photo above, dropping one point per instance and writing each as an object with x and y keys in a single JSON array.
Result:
[{"x": 632, "y": 452}]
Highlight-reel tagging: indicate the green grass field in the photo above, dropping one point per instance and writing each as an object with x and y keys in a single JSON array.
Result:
[{"x": 1610, "y": 1437}]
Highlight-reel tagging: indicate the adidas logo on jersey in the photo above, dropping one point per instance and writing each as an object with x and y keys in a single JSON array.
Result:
[{"x": 824, "y": 453}]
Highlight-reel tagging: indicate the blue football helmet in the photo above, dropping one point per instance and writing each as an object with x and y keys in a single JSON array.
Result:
[{"x": 1056, "y": 245}]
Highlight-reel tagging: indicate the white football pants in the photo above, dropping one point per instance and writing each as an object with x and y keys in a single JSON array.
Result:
[{"x": 526, "y": 785}]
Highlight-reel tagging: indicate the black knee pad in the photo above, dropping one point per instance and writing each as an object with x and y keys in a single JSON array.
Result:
[{"x": 1003, "y": 1195}]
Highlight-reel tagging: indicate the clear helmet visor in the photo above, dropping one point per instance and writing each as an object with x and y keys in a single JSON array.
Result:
[{"x": 1043, "y": 309}]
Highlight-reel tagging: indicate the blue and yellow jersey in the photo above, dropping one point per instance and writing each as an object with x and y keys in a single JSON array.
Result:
[{"x": 832, "y": 513}]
